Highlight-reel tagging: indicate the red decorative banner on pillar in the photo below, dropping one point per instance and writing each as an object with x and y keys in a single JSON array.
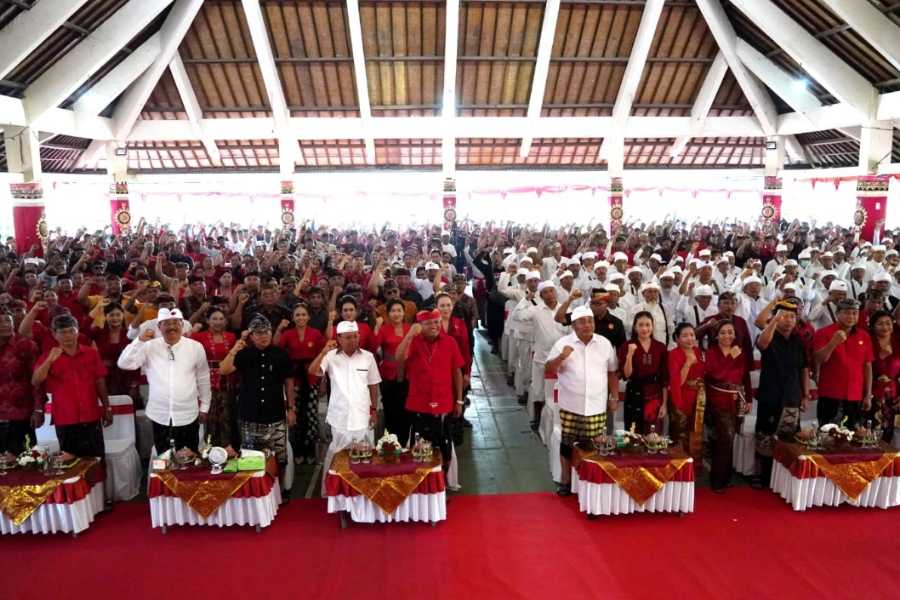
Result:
[
  {"x": 29, "y": 225},
  {"x": 119, "y": 208},
  {"x": 871, "y": 205},
  {"x": 287, "y": 203},
  {"x": 449, "y": 204},
  {"x": 616, "y": 211},
  {"x": 771, "y": 207}
]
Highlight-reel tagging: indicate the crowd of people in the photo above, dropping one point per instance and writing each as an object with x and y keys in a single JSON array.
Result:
[{"x": 244, "y": 331}]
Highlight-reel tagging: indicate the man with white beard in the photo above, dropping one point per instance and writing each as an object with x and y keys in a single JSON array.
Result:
[
  {"x": 601, "y": 271},
  {"x": 668, "y": 293},
  {"x": 750, "y": 303},
  {"x": 632, "y": 287},
  {"x": 697, "y": 310},
  {"x": 620, "y": 262}
]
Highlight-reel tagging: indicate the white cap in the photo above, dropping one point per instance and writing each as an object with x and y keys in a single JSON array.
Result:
[
  {"x": 544, "y": 285},
  {"x": 827, "y": 273},
  {"x": 667, "y": 275},
  {"x": 858, "y": 265},
  {"x": 616, "y": 276},
  {"x": 526, "y": 259},
  {"x": 565, "y": 274},
  {"x": 704, "y": 265},
  {"x": 704, "y": 252},
  {"x": 577, "y": 257},
  {"x": 656, "y": 257},
  {"x": 676, "y": 269},
  {"x": 650, "y": 285},
  {"x": 165, "y": 315},
  {"x": 634, "y": 270},
  {"x": 522, "y": 271},
  {"x": 891, "y": 252},
  {"x": 347, "y": 327},
  {"x": 789, "y": 286},
  {"x": 572, "y": 262},
  {"x": 751, "y": 279},
  {"x": 703, "y": 290},
  {"x": 838, "y": 285},
  {"x": 867, "y": 244},
  {"x": 620, "y": 256},
  {"x": 723, "y": 260},
  {"x": 804, "y": 254},
  {"x": 781, "y": 248},
  {"x": 508, "y": 250},
  {"x": 882, "y": 276},
  {"x": 729, "y": 253},
  {"x": 828, "y": 254},
  {"x": 589, "y": 256},
  {"x": 430, "y": 266},
  {"x": 531, "y": 250},
  {"x": 601, "y": 264},
  {"x": 695, "y": 262},
  {"x": 533, "y": 275},
  {"x": 840, "y": 249},
  {"x": 581, "y": 312},
  {"x": 678, "y": 259},
  {"x": 791, "y": 262},
  {"x": 879, "y": 248}
]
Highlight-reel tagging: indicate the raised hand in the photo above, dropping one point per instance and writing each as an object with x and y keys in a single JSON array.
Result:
[
  {"x": 147, "y": 335},
  {"x": 55, "y": 353}
]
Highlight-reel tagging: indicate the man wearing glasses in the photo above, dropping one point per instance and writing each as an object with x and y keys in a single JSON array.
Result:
[{"x": 178, "y": 378}]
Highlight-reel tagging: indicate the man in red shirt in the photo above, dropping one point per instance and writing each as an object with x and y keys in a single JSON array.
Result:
[
  {"x": 73, "y": 374},
  {"x": 433, "y": 366},
  {"x": 20, "y": 402},
  {"x": 843, "y": 354}
]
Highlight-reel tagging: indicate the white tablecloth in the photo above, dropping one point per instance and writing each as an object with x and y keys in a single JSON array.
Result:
[
  {"x": 610, "y": 499},
  {"x": 172, "y": 510},
  {"x": 423, "y": 508},
  {"x": 60, "y": 518},
  {"x": 884, "y": 492}
]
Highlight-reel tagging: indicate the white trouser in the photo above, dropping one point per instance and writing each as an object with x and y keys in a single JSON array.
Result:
[
  {"x": 523, "y": 368},
  {"x": 512, "y": 361},
  {"x": 537, "y": 387},
  {"x": 340, "y": 439},
  {"x": 504, "y": 344}
]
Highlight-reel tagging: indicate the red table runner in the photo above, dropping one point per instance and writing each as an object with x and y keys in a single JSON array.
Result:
[
  {"x": 850, "y": 468},
  {"x": 205, "y": 492},
  {"x": 639, "y": 474},
  {"x": 402, "y": 465}
]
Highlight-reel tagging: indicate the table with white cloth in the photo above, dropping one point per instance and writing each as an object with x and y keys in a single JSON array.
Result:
[
  {"x": 389, "y": 491},
  {"x": 42, "y": 502},
  {"x": 862, "y": 477},
  {"x": 194, "y": 496},
  {"x": 632, "y": 480}
]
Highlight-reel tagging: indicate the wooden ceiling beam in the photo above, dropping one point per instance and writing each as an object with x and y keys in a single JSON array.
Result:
[
  {"x": 823, "y": 65},
  {"x": 192, "y": 108},
  {"x": 75, "y": 67},
  {"x": 448, "y": 102},
  {"x": 723, "y": 32},
  {"x": 704, "y": 101},
  {"x": 613, "y": 148},
  {"x": 359, "y": 72},
  {"x": 260, "y": 38},
  {"x": 173, "y": 29},
  {"x": 541, "y": 69},
  {"x": 790, "y": 89},
  {"x": 872, "y": 25},
  {"x": 26, "y": 32}
]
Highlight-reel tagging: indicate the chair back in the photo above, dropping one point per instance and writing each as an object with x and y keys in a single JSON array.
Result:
[{"x": 122, "y": 428}]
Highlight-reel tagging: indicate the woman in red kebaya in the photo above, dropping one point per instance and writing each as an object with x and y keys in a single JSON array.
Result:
[
  {"x": 885, "y": 372},
  {"x": 388, "y": 336},
  {"x": 686, "y": 371},
  {"x": 727, "y": 381},
  {"x": 217, "y": 342},
  {"x": 455, "y": 328},
  {"x": 642, "y": 364},
  {"x": 303, "y": 343},
  {"x": 110, "y": 340}
]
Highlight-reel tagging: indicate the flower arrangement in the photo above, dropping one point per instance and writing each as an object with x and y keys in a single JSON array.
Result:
[
  {"x": 838, "y": 432},
  {"x": 388, "y": 444},
  {"x": 31, "y": 457}
]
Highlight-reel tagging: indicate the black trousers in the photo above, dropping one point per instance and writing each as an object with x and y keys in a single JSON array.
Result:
[
  {"x": 82, "y": 439},
  {"x": 12, "y": 436},
  {"x": 185, "y": 436},
  {"x": 434, "y": 429},
  {"x": 828, "y": 409},
  {"x": 396, "y": 418}
]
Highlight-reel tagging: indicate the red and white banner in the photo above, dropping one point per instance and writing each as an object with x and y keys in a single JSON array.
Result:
[
  {"x": 287, "y": 203},
  {"x": 449, "y": 203},
  {"x": 871, "y": 206},
  {"x": 119, "y": 208},
  {"x": 771, "y": 208},
  {"x": 28, "y": 217},
  {"x": 616, "y": 210}
]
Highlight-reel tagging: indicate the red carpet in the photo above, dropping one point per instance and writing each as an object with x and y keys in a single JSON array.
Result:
[{"x": 744, "y": 544}]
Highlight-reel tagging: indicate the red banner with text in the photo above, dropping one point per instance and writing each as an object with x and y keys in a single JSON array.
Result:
[{"x": 871, "y": 206}]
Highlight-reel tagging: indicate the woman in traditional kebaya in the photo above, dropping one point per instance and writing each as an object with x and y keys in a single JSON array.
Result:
[
  {"x": 642, "y": 361},
  {"x": 217, "y": 342},
  {"x": 394, "y": 386},
  {"x": 687, "y": 401},
  {"x": 727, "y": 381},
  {"x": 885, "y": 372}
]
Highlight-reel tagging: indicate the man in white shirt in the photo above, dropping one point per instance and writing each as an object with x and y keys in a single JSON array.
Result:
[
  {"x": 178, "y": 378},
  {"x": 663, "y": 322},
  {"x": 585, "y": 364},
  {"x": 523, "y": 337},
  {"x": 696, "y": 310},
  {"x": 825, "y": 313},
  {"x": 354, "y": 379},
  {"x": 542, "y": 316}
]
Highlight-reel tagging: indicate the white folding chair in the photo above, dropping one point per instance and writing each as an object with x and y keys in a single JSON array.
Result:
[
  {"x": 123, "y": 466},
  {"x": 46, "y": 433}
]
